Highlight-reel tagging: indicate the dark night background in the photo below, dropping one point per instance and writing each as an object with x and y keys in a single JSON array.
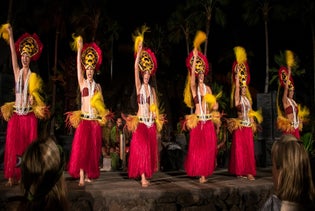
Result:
[{"x": 118, "y": 88}]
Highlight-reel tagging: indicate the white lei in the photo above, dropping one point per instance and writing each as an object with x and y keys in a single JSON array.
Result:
[
  {"x": 145, "y": 112},
  {"x": 22, "y": 106},
  {"x": 245, "y": 108},
  {"x": 296, "y": 121},
  {"x": 91, "y": 87},
  {"x": 202, "y": 111}
]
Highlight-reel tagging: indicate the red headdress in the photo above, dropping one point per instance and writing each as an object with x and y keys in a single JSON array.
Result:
[
  {"x": 283, "y": 71},
  {"x": 147, "y": 61},
  {"x": 240, "y": 66},
  {"x": 91, "y": 56},
  {"x": 283, "y": 77},
  {"x": 202, "y": 64},
  {"x": 29, "y": 44}
]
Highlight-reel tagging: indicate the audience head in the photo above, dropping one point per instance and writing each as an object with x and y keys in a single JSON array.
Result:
[
  {"x": 291, "y": 170},
  {"x": 119, "y": 123},
  {"x": 42, "y": 178}
]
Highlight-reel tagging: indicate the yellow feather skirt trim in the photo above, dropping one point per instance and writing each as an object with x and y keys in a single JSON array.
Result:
[
  {"x": 191, "y": 121},
  {"x": 107, "y": 115},
  {"x": 7, "y": 110},
  {"x": 41, "y": 112},
  {"x": 73, "y": 118},
  {"x": 235, "y": 124},
  {"x": 131, "y": 122},
  {"x": 159, "y": 121},
  {"x": 284, "y": 124}
]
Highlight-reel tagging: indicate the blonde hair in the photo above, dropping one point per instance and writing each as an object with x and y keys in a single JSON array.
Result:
[{"x": 294, "y": 182}]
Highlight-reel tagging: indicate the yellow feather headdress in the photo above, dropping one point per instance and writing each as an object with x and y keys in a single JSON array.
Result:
[
  {"x": 147, "y": 61},
  {"x": 202, "y": 65},
  {"x": 4, "y": 33},
  {"x": 200, "y": 38},
  {"x": 74, "y": 44},
  {"x": 289, "y": 56},
  {"x": 243, "y": 72},
  {"x": 138, "y": 36}
]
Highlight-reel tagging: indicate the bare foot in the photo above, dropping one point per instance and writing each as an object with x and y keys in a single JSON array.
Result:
[
  {"x": 144, "y": 183},
  {"x": 9, "y": 183},
  {"x": 203, "y": 180},
  {"x": 87, "y": 180},
  {"x": 250, "y": 177},
  {"x": 81, "y": 182}
]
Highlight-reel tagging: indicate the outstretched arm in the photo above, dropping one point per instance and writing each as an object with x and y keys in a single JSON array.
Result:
[
  {"x": 192, "y": 74},
  {"x": 237, "y": 89},
  {"x": 137, "y": 75},
  {"x": 286, "y": 89},
  {"x": 79, "y": 64},
  {"x": 15, "y": 63}
]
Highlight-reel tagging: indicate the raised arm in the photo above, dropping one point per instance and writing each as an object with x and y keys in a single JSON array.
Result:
[
  {"x": 79, "y": 64},
  {"x": 192, "y": 74},
  {"x": 14, "y": 59},
  {"x": 286, "y": 89},
  {"x": 237, "y": 89},
  {"x": 137, "y": 75}
]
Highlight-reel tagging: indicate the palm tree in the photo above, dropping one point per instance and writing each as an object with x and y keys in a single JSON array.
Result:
[
  {"x": 181, "y": 25},
  {"x": 206, "y": 11},
  {"x": 304, "y": 10},
  {"x": 264, "y": 10}
]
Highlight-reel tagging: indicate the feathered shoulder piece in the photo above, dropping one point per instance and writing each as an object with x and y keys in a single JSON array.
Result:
[
  {"x": 97, "y": 102},
  {"x": 160, "y": 119},
  {"x": 41, "y": 110}
]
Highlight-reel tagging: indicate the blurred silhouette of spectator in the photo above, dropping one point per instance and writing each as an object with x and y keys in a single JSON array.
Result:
[
  {"x": 292, "y": 176},
  {"x": 42, "y": 178}
]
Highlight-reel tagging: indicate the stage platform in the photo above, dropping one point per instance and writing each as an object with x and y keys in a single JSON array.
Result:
[{"x": 169, "y": 191}]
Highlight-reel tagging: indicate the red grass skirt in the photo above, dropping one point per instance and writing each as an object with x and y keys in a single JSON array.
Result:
[
  {"x": 202, "y": 150},
  {"x": 242, "y": 158},
  {"x": 294, "y": 132},
  {"x": 21, "y": 131},
  {"x": 86, "y": 149},
  {"x": 143, "y": 152}
]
